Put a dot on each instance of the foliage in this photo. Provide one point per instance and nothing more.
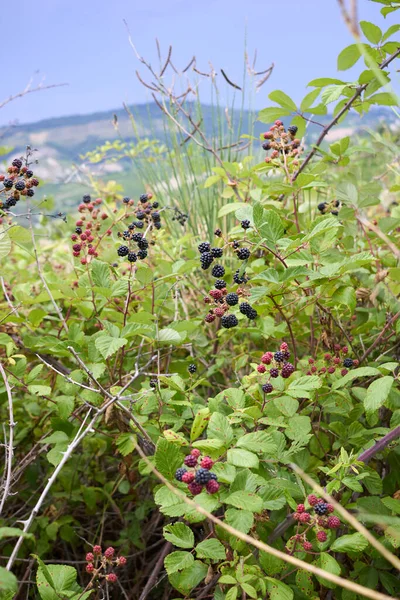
(115, 385)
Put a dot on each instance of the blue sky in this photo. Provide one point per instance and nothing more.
(85, 44)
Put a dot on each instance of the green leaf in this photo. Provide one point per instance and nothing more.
(272, 228)
(55, 581)
(283, 100)
(144, 275)
(100, 273)
(278, 590)
(186, 580)
(243, 520)
(384, 99)
(13, 532)
(377, 393)
(307, 382)
(126, 443)
(245, 500)
(176, 561)
(258, 441)
(232, 593)
(371, 31)
(168, 458)
(392, 29)
(361, 372)
(267, 115)
(5, 244)
(179, 535)
(211, 549)
(226, 209)
(299, 427)
(355, 542)
(107, 345)
(199, 423)
(332, 93)
(323, 81)
(305, 583)
(348, 57)
(169, 336)
(309, 99)
(242, 458)
(328, 563)
(219, 428)
(19, 234)
(392, 504)
(8, 582)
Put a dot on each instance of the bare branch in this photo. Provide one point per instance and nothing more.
(234, 85)
(29, 90)
(166, 62)
(10, 445)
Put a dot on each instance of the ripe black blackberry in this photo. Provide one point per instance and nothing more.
(192, 368)
(266, 146)
(179, 473)
(253, 314)
(334, 212)
(143, 244)
(322, 206)
(220, 284)
(126, 200)
(274, 372)
(204, 247)
(243, 253)
(20, 185)
(131, 227)
(232, 299)
(213, 476)
(202, 476)
(30, 192)
(278, 356)
(78, 230)
(292, 129)
(239, 278)
(29, 174)
(153, 383)
(132, 257)
(236, 244)
(218, 271)
(140, 215)
(137, 237)
(216, 252)
(86, 198)
(142, 254)
(8, 183)
(10, 202)
(155, 205)
(321, 508)
(267, 388)
(123, 251)
(348, 363)
(245, 308)
(218, 232)
(126, 235)
(206, 258)
(139, 224)
(229, 321)
(144, 198)
(156, 216)
(245, 224)
(17, 163)
(157, 225)
(287, 370)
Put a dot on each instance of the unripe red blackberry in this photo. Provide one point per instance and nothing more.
(206, 463)
(267, 358)
(121, 561)
(331, 508)
(195, 488)
(333, 522)
(219, 311)
(327, 356)
(321, 536)
(212, 486)
(96, 549)
(216, 294)
(311, 361)
(188, 477)
(300, 508)
(89, 568)
(278, 123)
(287, 370)
(109, 552)
(344, 350)
(307, 546)
(111, 577)
(209, 318)
(304, 517)
(190, 460)
(261, 368)
(268, 135)
(17, 163)
(89, 557)
(343, 372)
(35, 182)
(267, 388)
(195, 452)
(331, 370)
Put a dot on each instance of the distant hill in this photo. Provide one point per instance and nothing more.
(62, 141)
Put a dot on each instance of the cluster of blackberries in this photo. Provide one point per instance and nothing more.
(329, 207)
(145, 213)
(86, 235)
(281, 142)
(180, 216)
(99, 563)
(323, 520)
(18, 182)
(332, 361)
(199, 475)
(279, 364)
